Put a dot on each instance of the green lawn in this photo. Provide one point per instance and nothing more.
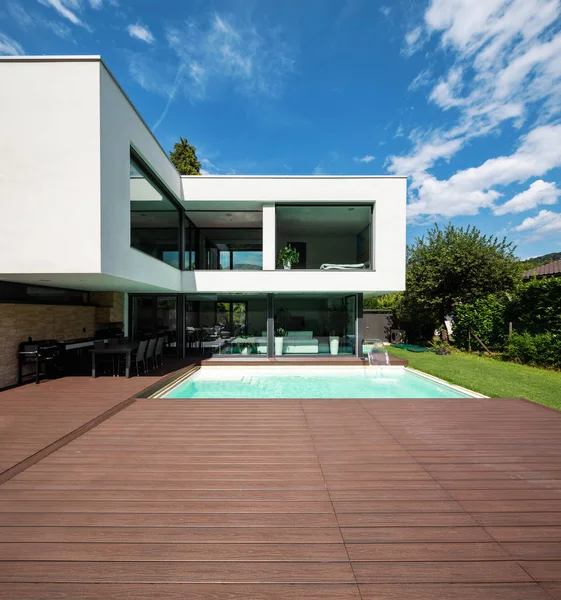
(489, 376)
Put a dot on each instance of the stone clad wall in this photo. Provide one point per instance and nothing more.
(40, 321)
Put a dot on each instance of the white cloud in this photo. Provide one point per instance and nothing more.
(414, 39)
(506, 66)
(73, 10)
(368, 158)
(214, 55)
(540, 192)
(467, 191)
(9, 47)
(545, 224)
(29, 20)
(141, 32)
(66, 8)
(386, 10)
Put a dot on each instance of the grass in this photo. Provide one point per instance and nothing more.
(489, 376)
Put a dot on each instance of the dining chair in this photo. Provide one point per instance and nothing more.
(140, 356)
(159, 351)
(150, 352)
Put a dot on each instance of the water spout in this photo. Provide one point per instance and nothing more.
(377, 354)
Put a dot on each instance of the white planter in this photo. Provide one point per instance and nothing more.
(279, 341)
(245, 350)
(334, 344)
(287, 264)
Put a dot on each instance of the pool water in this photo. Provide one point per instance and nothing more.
(310, 382)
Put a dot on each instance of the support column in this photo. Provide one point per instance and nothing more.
(269, 238)
(359, 326)
(270, 326)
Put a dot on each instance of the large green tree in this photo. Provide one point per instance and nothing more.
(184, 157)
(453, 265)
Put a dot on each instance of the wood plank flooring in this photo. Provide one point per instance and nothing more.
(267, 499)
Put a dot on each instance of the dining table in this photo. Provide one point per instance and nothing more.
(124, 348)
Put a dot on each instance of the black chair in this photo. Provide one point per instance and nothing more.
(150, 352)
(140, 357)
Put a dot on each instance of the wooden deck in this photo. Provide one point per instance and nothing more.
(270, 499)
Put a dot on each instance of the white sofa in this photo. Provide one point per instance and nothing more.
(300, 342)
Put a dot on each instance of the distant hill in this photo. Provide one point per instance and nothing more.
(538, 261)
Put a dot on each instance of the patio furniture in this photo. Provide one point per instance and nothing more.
(140, 357)
(104, 360)
(159, 351)
(114, 350)
(300, 342)
(344, 267)
(150, 352)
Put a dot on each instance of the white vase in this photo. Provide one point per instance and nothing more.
(334, 344)
(287, 264)
(245, 350)
(279, 341)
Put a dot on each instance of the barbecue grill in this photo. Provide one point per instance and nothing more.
(44, 355)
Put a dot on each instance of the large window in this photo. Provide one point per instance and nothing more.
(226, 325)
(328, 237)
(227, 241)
(154, 218)
(314, 325)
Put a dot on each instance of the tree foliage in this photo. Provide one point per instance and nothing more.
(454, 265)
(485, 317)
(184, 157)
(536, 306)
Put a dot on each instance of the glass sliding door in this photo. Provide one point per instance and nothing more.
(153, 317)
(314, 326)
(226, 325)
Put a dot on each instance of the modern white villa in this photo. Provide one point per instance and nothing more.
(98, 231)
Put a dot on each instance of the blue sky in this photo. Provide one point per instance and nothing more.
(462, 96)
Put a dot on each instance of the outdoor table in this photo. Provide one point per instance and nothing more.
(116, 349)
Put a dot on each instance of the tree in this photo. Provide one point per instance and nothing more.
(455, 265)
(184, 158)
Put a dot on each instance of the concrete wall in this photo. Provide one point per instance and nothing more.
(121, 128)
(49, 167)
(19, 321)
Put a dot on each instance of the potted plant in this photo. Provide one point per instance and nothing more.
(279, 340)
(245, 347)
(288, 256)
(333, 342)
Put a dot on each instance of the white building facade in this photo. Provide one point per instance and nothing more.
(91, 202)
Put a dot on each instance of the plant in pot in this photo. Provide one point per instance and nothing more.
(288, 256)
(245, 347)
(279, 340)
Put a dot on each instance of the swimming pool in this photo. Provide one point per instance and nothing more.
(312, 382)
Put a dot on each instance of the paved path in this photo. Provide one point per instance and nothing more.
(321, 499)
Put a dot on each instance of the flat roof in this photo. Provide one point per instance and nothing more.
(297, 176)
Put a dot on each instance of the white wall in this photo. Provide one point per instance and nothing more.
(49, 167)
(121, 127)
(293, 281)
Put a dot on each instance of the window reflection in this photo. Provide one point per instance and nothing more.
(154, 218)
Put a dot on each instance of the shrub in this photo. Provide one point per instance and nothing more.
(536, 306)
(539, 350)
(485, 317)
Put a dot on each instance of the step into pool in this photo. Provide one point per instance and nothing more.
(312, 382)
